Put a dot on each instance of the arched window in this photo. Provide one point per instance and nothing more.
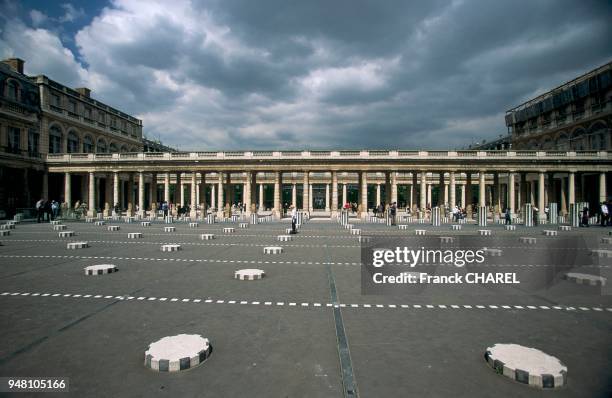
(73, 142)
(124, 149)
(577, 141)
(101, 146)
(88, 144)
(548, 144)
(55, 139)
(113, 148)
(562, 143)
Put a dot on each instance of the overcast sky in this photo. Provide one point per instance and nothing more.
(258, 74)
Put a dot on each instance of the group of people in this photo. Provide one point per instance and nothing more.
(50, 209)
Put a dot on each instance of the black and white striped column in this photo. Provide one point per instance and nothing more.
(528, 214)
(435, 216)
(482, 216)
(553, 214)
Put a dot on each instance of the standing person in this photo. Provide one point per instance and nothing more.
(39, 210)
(54, 209)
(165, 208)
(293, 219)
(508, 218)
(47, 209)
(604, 214)
(584, 222)
(393, 211)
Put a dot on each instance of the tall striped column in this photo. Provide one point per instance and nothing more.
(435, 216)
(482, 216)
(528, 214)
(553, 214)
(574, 214)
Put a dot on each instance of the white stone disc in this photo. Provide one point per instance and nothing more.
(207, 236)
(113, 228)
(100, 269)
(273, 250)
(176, 353)
(527, 365)
(170, 248)
(585, 279)
(249, 274)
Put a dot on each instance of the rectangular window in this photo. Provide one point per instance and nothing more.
(87, 112)
(72, 106)
(33, 140)
(113, 122)
(101, 117)
(14, 137)
(56, 100)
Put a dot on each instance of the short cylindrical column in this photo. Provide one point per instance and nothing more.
(463, 196)
(603, 197)
(326, 197)
(363, 193)
(203, 201)
(220, 196)
(141, 193)
(377, 194)
(193, 206)
(213, 196)
(511, 205)
(294, 195)
(153, 192)
(68, 190)
(247, 195)
(393, 187)
(261, 196)
(277, 194)
(344, 194)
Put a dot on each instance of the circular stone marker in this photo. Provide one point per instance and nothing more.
(455, 227)
(284, 238)
(403, 226)
(113, 228)
(100, 269)
(229, 230)
(355, 231)
(446, 239)
(134, 235)
(193, 225)
(527, 365)
(585, 279)
(273, 250)
(100, 223)
(5, 232)
(510, 227)
(249, 274)
(146, 223)
(492, 252)
(170, 248)
(419, 231)
(484, 232)
(527, 239)
(565, 228)
(169, 229)
(243, 225)
(175, 353)
(59, 227)
(549, 232)
(65, 234)
(207, 236)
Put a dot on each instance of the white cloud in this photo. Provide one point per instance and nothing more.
(37, 17)
(71, 13)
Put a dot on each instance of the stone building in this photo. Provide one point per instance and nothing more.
(574, 116)
(21, 164)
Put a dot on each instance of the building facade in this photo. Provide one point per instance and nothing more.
(574, 116)
(156, 146)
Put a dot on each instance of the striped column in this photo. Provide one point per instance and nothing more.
(574, 214)
(254, 218)
(435, 216)
(482, 216)
(528, 214)
(553, 214)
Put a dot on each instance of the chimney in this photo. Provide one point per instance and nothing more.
(84, 91)
(16, 64)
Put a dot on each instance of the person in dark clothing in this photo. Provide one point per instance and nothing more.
(393, 212)
(508, 218)
(584, 222)
(48, 210)
(40, 208)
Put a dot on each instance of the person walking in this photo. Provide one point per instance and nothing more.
(584, 222)
(40, 208)
(508, 216)
(54, 209)
(393, 212)
(604, 214)
(293, 220)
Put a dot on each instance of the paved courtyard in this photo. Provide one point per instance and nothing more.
(305, 330)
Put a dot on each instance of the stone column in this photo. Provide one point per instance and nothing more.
(496, 190)
(278, 211)
(563, 197)
(194, 203)
(213, 196)
(220, 196)
(334, 204)
(413, 192)
(441, 189)
(45, 185)
(305, 192)
(481, 188)
(116, 188)
(153, 192)
(429, 195)
(203, 201)
(141, 193)
(511, 205)
(541, 204)
(452, 189)
(463, 196)
(68, 190)
(228, 192)
(327, 197)
(182, 195)
(254, 192)
(261, 197)
(551, 191)
(167, 188)
(246, 194)
(294, 195)
(130, 194)
(603, 197)
(92, 195)
(178, 194)
(377, 194)
(363, 193)
(344, 194)
(310, 199)
(387, 189)
(532, 189)
(394, 187)
(571, 187)
(423, 204)
(468, 194)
